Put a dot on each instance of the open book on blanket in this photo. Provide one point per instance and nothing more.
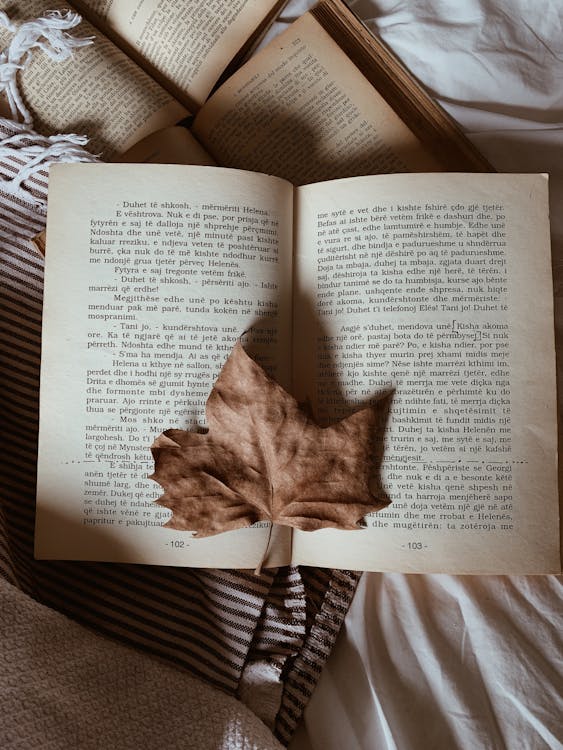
(436, 286)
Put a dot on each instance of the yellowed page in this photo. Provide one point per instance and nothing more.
(300, 109)
(152, 273)
(99, 92)
(438, 287)
(187, 44)
(173, 145)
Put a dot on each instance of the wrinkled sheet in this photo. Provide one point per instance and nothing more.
(437, 661)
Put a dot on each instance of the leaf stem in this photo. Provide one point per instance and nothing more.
(258, 569)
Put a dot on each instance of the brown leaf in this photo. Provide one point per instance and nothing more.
(263, 459)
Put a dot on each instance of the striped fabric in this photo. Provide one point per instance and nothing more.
(210, 622)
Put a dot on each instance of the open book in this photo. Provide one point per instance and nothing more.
(435, 285)
(324, 99)
(153, 62)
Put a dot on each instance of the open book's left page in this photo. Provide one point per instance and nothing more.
(98, 91)
(185, 45)
(152, 273)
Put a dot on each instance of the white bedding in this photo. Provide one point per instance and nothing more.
(442, 662)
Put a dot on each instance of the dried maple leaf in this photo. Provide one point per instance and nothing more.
(264, 459)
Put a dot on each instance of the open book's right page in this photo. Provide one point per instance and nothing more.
(439, 288)
(301, 110)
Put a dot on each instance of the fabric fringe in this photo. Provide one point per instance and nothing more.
(48, 34)
(28, 151)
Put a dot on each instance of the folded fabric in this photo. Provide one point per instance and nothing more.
(64, 686)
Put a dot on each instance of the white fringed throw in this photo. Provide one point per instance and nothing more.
(48, 34)
(34, 152)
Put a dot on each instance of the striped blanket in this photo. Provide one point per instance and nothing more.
(261, 638)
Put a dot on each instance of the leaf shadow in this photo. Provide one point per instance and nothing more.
(328, 402)
(310, 333)
(305, 152)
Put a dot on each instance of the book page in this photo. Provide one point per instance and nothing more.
(152, 273)
(186, 44)
(173, 145)
(437, 287)
(300, 109)
(98, 92)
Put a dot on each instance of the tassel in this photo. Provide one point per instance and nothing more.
(48, 34)
(38, 152)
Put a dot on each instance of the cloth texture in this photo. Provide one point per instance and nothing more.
(63, 686)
